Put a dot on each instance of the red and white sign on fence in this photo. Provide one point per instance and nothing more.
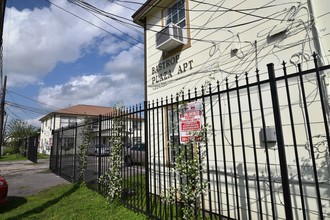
(190, 121)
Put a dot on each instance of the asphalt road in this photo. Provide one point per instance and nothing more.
(26, 178)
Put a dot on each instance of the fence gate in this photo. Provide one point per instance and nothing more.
(32, 148)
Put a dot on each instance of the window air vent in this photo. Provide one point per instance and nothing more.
(278, 29)
(169, 38)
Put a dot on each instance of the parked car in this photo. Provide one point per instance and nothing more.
(135, 154)
(95, 150)
(3, 189)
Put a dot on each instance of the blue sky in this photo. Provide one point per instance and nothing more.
(57, 54)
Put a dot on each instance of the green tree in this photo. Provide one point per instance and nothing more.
(17, 130)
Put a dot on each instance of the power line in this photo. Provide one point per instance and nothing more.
(238, 11)
(18, 117)
(94, 9)
(91, 7)
(117, 18)
(116, 2)
(225, 10)
(116, 28)
(94, 25)
(16, 103)
(198, 10)
(93, 13)
(28, 108)
(42, 103)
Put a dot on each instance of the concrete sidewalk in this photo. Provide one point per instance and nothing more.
(26, 178)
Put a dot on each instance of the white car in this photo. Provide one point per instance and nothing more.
(94, 150)
(135, 154)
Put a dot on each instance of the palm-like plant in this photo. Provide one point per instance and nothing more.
(17, 130)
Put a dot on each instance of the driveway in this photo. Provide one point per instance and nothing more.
(26, 178)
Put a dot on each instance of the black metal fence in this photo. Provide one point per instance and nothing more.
(266, 153)
(29, 147)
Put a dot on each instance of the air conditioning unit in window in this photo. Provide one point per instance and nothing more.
(169, 38)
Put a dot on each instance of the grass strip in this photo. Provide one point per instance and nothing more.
(65, 202)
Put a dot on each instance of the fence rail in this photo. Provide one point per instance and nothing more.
(265, 152)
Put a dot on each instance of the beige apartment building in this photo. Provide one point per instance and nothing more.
(191, 44)
(67, 117)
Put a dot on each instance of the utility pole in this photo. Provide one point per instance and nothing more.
(2, 116)
(2, 16)
(3, 86)
(2, 20)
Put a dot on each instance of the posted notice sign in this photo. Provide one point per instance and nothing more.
(190, 121)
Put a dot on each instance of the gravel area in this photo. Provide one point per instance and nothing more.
(26, 178)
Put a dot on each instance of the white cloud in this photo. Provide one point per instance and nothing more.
(111, 46)
(129, 61)
(122, 81)
(103, 90)
(35, 41)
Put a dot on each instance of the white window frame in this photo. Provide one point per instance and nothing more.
(66, 121)
(177, 9)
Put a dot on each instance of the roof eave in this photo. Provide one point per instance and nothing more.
(139, 15)
(66, 114)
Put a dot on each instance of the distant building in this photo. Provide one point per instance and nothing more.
(66, 117)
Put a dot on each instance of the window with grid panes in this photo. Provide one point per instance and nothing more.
(176, 14)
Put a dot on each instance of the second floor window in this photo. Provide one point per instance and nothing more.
(68, 121)
(176, 14)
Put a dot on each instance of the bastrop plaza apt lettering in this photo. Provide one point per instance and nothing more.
(163, 72)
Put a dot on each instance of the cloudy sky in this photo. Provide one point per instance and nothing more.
(57, 54)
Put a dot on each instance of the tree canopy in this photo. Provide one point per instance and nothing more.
(17, 130)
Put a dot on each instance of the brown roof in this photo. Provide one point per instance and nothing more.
(91, 110)
(82, 110)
